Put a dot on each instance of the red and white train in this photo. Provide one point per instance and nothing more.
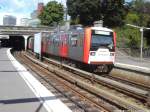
(92, 47)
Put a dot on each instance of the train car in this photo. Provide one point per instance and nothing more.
(45, 42)
(39, 43)
(92, 46)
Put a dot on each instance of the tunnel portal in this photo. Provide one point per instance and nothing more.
(15, 42)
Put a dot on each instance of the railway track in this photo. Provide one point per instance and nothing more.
(113, 77)
(130, 82)
(86, 104)
(117, 102)
(141, 93)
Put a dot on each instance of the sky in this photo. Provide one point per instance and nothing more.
(21, 8)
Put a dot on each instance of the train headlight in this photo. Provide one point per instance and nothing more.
(92, 53)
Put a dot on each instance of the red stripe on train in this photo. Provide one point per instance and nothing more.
(87, 42)
(63, 51)
(114, 34)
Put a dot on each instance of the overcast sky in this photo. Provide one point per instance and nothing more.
(20, 8)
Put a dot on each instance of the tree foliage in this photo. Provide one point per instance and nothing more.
(87, 11)
(138, 14)
(128, 37)
(132, 18)
(53, 12)
(114, 13)
(141, 8)
(140, 11)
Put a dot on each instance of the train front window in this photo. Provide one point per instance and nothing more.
(102, 40)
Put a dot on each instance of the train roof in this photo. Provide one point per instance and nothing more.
(102, 29)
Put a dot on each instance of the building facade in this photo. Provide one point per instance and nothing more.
(40, 8)
(38, 11)
(9, 20)
(34, 21)
(34, 14)
(24, 21)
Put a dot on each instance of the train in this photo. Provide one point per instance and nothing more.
(91, 47)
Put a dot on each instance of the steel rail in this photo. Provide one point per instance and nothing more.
(36, 63)
(135, 92)
(91, 88)
(140, 94)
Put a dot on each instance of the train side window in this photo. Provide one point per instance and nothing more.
(74, 40)
(48, 40)
(81, 39)
(63, 39)
(58, 41)
(69, 39)
(54, 40)
(74, 43)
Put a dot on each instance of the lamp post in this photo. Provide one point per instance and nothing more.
(141, 49)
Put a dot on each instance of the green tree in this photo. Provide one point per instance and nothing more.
(84, 11)
(53, 12)
(128, 37)
(114, 13)
(142, 9)
(132, 18)
(87, 11)
(141, 6)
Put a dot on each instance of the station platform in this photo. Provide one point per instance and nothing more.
(21, 92)
(133, 63)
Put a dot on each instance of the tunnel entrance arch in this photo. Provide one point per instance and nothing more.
(4, 40)
(17, 42)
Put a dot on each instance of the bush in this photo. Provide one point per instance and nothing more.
(128, 37)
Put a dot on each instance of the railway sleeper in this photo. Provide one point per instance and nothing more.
(116, 100)
(148, 100)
